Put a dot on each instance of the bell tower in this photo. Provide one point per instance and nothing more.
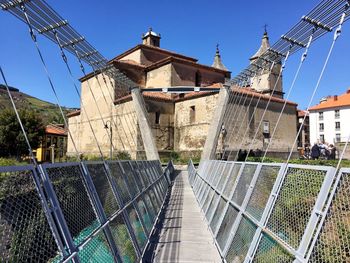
(151, 38)
(265, 80)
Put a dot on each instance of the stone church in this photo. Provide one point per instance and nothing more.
(179, 121)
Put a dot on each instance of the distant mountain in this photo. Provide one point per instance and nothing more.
(49, 112)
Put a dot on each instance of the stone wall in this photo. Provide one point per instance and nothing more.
(159, 77)
(191, 136)
(242, 137)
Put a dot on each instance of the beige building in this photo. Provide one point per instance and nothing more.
(180, 121)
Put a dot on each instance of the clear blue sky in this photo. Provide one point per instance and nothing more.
(188, 27)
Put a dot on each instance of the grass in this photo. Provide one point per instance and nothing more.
(333, 163)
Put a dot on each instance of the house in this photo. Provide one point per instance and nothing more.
(53, 145)
(329, 120)
(179, 121)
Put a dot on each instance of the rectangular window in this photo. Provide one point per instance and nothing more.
(337, 125)
(322, 138)
(337, 137)
(320, 116)
(192, 114)
(337, 114)
(266, 127)
(157, 120)
(321, 127)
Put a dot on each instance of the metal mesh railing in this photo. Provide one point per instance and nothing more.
(25, 234)
(80, 212)
(260, 212)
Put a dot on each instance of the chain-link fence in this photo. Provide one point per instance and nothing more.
(80, 212)
(260, 212)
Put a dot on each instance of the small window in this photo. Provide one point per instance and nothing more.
(322, 138)
(192, 114)
(337, 125)
(157, 120)
(337, 137)
(266, 127)
(320, 116)
(337, 114)
(321, 127)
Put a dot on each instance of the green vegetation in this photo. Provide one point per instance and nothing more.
(334, 163)
(179, 158)
(10, 162)
(47, 111)
(12, 141)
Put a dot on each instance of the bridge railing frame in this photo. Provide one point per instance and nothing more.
(318, 185)
(55, 190)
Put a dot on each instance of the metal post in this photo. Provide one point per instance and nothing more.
(215, 126)
(146, 131)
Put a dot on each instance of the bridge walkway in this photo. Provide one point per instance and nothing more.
(184, 235)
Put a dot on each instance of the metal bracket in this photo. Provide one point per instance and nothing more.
(316, 23)
(276, 52)
(97, 62)
(53, 26)
(13, 4)
(73, 42)
(88, 54)
(293, 41)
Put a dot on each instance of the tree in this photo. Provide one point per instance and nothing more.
(12, 141)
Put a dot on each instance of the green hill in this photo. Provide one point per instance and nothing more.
(49, 112)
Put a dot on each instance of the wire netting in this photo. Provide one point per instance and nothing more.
(103, 188)
(243, 183)
(294, 204)
(241, 241)
(122, 239)
(217, 214)
(232, 179)
(262, 190)
(25, 235)
(270, 251)
(118, 177)
(74, 200)
(226, 225)
(333, 244)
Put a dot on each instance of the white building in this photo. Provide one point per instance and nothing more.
(330, 119)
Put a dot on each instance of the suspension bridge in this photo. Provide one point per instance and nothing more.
(226, 209)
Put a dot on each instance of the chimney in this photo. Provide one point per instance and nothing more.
(335, 97)
(151, 38)
(348, 91)
(324, 99)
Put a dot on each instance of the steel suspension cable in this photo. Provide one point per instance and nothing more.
(252, 117)
(302, 59)
(268, 103)
(236, 135)
(232, 119)
(33, 37)
(104, 97)
(82, 68)
(336, 35)
(65, 60)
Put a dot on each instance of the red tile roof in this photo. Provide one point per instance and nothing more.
(168, 60)
(160, 96)
(56, 130)
(160, 50)
(251, 93)
(342, 100)
(301, 113)
(73, 113)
